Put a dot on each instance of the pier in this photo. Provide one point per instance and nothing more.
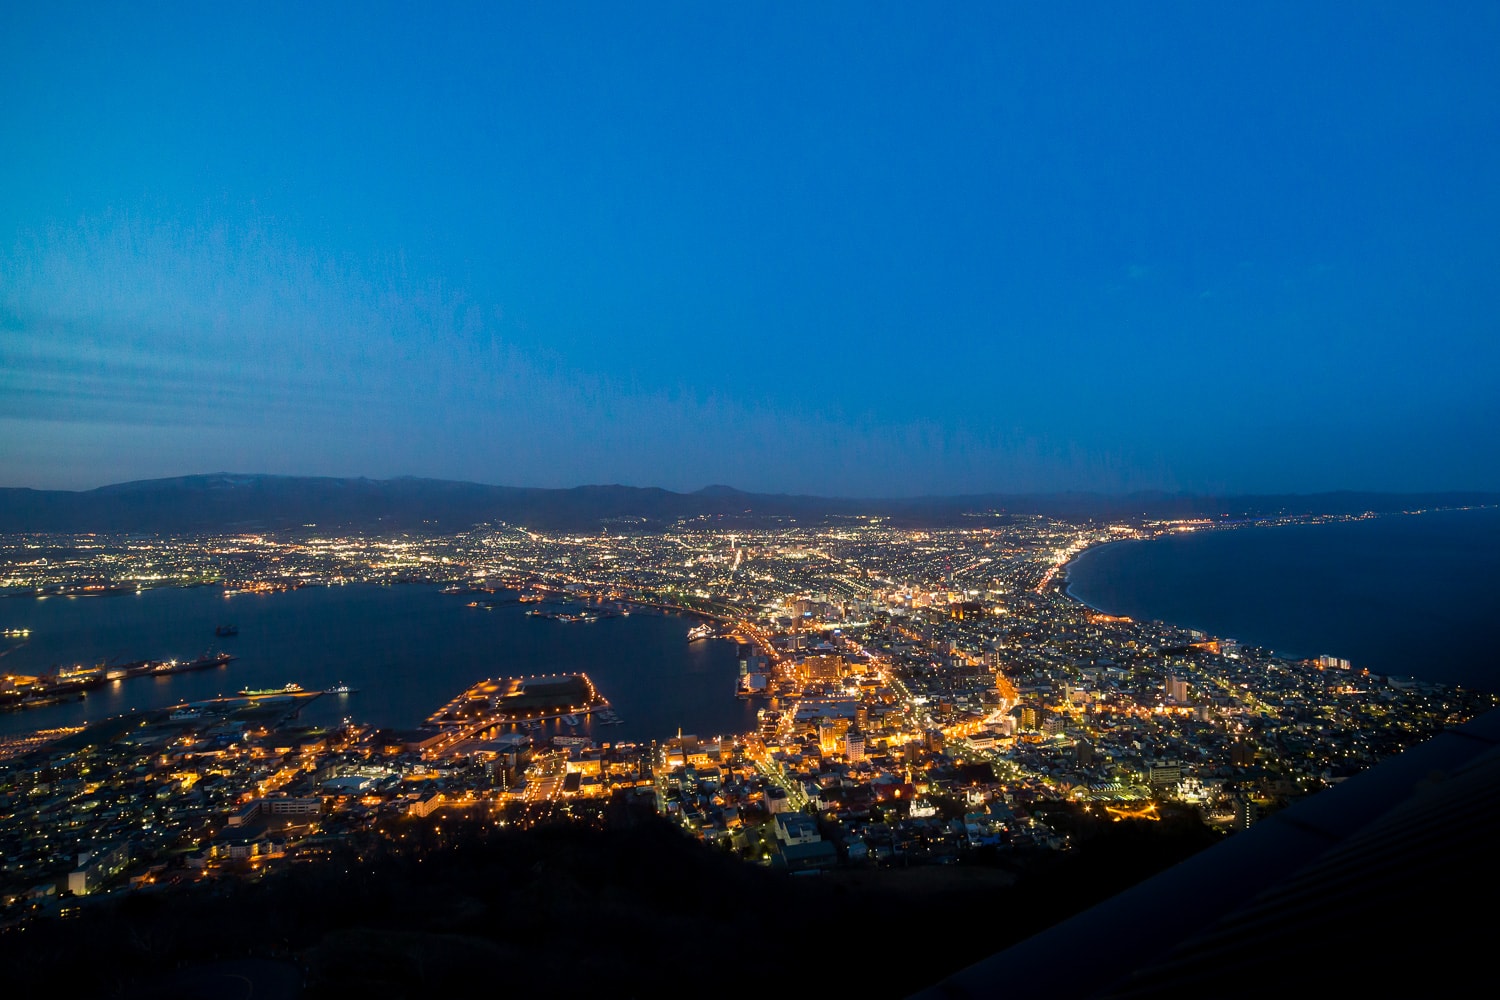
(512, 701)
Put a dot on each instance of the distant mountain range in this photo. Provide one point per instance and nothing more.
(225, 502)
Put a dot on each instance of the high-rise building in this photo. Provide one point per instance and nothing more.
(1177, 689)
(1164, 776)
(831, 733)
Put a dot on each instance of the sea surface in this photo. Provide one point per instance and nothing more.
(408, 649)
(1414, 595)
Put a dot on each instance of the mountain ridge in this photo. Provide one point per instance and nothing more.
(224, 501)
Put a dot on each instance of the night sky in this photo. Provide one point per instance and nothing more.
(860, 250)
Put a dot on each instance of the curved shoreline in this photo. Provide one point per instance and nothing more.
(1359, 593)
(1066, 570)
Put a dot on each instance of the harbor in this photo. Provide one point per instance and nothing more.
(407, 649)
(521, 704)
(65, 684)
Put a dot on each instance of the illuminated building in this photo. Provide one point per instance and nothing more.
(1164, 776)
(97, 867)
(1177, 689)
(831, 734)
(797, 828)
(826, 667)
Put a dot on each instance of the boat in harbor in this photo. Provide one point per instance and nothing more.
(570, 719)
(203, 662)
(566, 616)
(339, 689)
(8, 704)
(703, 631)
(292, 688)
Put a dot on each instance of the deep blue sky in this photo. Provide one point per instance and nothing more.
(857, 250)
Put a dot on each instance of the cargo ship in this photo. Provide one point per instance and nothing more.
(265, 692)
(566, 616)
(69, 684)
(203, 662)
(11, 703)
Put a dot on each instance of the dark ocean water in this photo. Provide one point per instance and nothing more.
(1413, 594)
(408, 649)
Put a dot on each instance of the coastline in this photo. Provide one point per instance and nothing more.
(1065, 571)
(1359, 591)
(321, 635)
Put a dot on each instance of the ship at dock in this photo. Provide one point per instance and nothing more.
(64, 684)
(162, 668)
(10, 702)
(292, 688)
(201, 663)
(569, 616)
(704, 631)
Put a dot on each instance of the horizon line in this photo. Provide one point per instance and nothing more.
(712, 488)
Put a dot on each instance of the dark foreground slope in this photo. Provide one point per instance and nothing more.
(1382, 886)
(569, 911)
(225, 502)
